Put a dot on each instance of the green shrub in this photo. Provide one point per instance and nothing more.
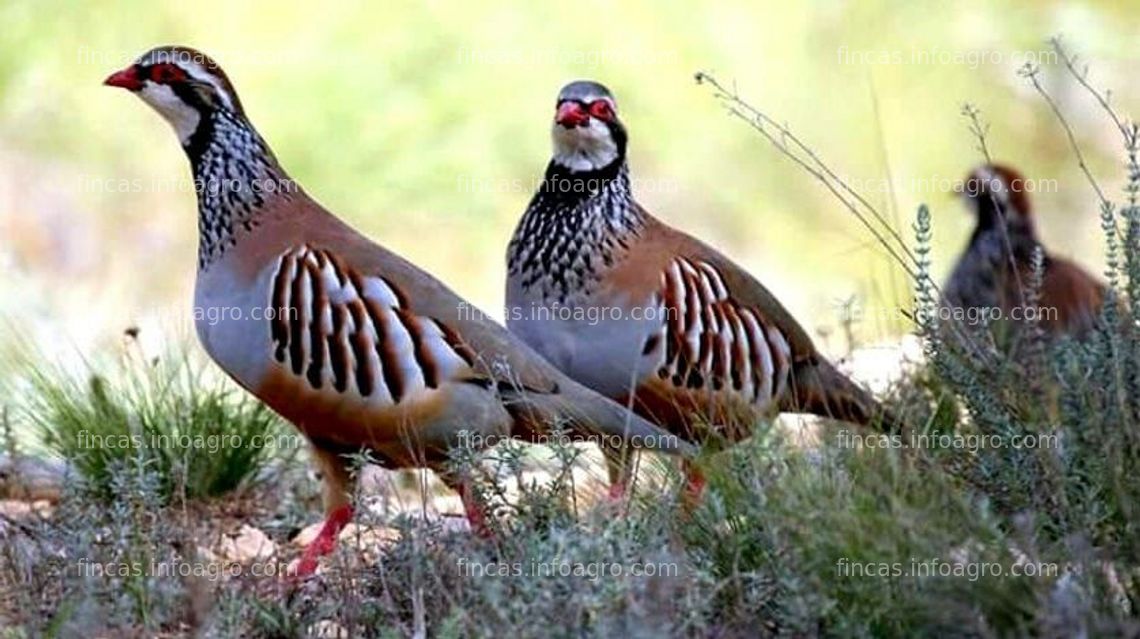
(199, 434)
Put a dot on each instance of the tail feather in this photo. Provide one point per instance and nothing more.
(820, 389)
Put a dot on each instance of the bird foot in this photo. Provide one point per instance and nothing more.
(324, 543)
(616, 493)
(694, 488)
(477, 519)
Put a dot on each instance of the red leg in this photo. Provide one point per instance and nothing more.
(325, 541)
(617, 491)
(694, 485)
(474, 511)
(619, 467)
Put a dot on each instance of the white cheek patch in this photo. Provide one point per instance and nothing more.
(183, 117)
(584, 148)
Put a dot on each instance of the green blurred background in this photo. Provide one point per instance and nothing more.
(425, 124)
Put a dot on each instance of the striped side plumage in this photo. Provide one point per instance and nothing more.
(712, 342)
(356, 334)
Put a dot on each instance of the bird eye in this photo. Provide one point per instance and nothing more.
(601, 109)
(166, 73)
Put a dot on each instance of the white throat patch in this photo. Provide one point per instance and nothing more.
(584, 148)
(183, 117)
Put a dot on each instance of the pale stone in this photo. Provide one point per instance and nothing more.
(249, 544)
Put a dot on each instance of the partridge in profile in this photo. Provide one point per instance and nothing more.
(647, 315)
(992, 277)
(358, 348)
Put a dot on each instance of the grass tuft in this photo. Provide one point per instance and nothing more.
(197, 433)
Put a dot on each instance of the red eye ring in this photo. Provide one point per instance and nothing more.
(165, 73)
(601, 109)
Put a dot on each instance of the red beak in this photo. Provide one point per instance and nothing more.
(126, 79)
(571, 114)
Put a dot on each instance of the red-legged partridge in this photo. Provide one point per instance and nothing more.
(646, 314)
(992, 276)
(357, 347)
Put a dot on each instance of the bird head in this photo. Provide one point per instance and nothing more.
(587, 133)
(991, 189)
(182, 84)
